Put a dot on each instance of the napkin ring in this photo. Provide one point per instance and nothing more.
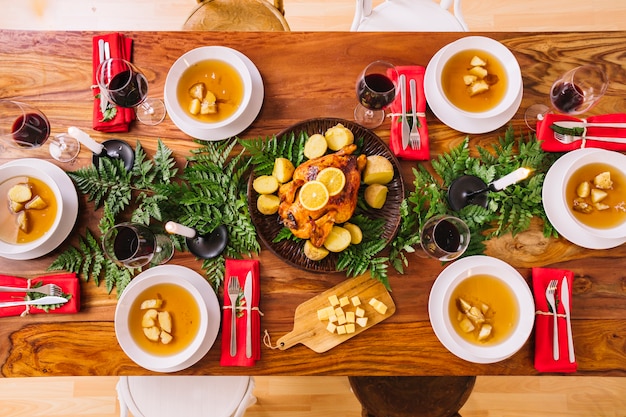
(240, 309)
(418, 114)
(548, 313)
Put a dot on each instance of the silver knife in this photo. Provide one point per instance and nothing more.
(43, 301)
(566, 306)
(247, 293)
(572, 125)
(405, 122)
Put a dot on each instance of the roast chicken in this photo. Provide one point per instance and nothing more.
(316, 225)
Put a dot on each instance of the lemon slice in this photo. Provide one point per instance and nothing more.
(313, 195)
(333, 178)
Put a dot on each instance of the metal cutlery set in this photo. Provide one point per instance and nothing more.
(233, 294)
(571, 131)
(410, 134)
(564, 298)
(104, 53)
(53, 295)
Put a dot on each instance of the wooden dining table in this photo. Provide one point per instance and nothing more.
(308, 75)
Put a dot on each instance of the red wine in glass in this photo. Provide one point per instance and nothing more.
(128, 88)
(445, 237)
(31, 130)
(567, 97)
(376, 91)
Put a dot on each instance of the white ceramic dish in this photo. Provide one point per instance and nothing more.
(61, 184)
(456, 119)
(439, 301)
(210, 318)
(495, 48)
(556, 209)
(201, 131)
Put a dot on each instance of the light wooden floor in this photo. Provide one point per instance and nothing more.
(320, 396)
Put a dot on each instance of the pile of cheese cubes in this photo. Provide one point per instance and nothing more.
(343, 321)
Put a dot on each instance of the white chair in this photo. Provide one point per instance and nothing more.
(188, 396)
(409, 16)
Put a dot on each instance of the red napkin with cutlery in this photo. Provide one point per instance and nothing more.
(239, 269)
(120, 47)
(68, 282)
(544, 360)
(550, 144)
(395, 141)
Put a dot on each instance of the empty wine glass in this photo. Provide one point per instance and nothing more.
(125, 85)
(22, 125)
(445, 237)
(375, 88)
(575, 92)
(135, 245)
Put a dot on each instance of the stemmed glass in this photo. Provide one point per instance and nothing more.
(575, 92)
(375, 88)
(135, 245)
(445, 237)
(23, 126)
(125, 85)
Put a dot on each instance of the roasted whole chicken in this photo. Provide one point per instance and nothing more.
(316, 225)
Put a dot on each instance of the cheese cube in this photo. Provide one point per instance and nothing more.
(322, 314)
(350, 318)
(350, 328)
(359, 312)
(373, 302)
(380, 307)
(341, 320)
(341, 329)
(333, 300)
(339, 312)
(332, 318)
(344, 301)
(361, 321)
(356, 301)
(331, 327)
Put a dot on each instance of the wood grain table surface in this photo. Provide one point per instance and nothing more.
(309, 75)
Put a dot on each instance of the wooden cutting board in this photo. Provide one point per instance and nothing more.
(311, 332)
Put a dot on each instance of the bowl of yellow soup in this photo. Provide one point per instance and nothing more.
(31, 210)
(481, 309)
(208, 89)
(166, 319)
(478, 77)
(594, 192)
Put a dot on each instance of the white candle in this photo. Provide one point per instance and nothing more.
(85, 139)
(179, 229)
(510, 179)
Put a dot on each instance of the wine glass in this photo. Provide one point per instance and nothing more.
(135, 245)
(575, 92)
(22, 126)
(376, 89)
(445, 237)
(63, 147)
(125, 85)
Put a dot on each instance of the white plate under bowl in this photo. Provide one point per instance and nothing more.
(455, 119)
(210, 309)
(439, 302)
(237, 126)
(69, 199)
(555, 206)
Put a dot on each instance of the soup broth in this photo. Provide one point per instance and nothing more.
(183, 310)
(456, 90)
(220, 78)
(39, 221)
(615, 198)
(502, 314)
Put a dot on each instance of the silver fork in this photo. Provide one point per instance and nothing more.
(233, 295)
(550, 291)
(414, 137)
(48, 289)
(567, 139)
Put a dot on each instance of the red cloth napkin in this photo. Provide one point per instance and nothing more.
(239, 268)
(550, 144)
(121, 47)
(544, 361)
(395, 140)
(67, 281)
